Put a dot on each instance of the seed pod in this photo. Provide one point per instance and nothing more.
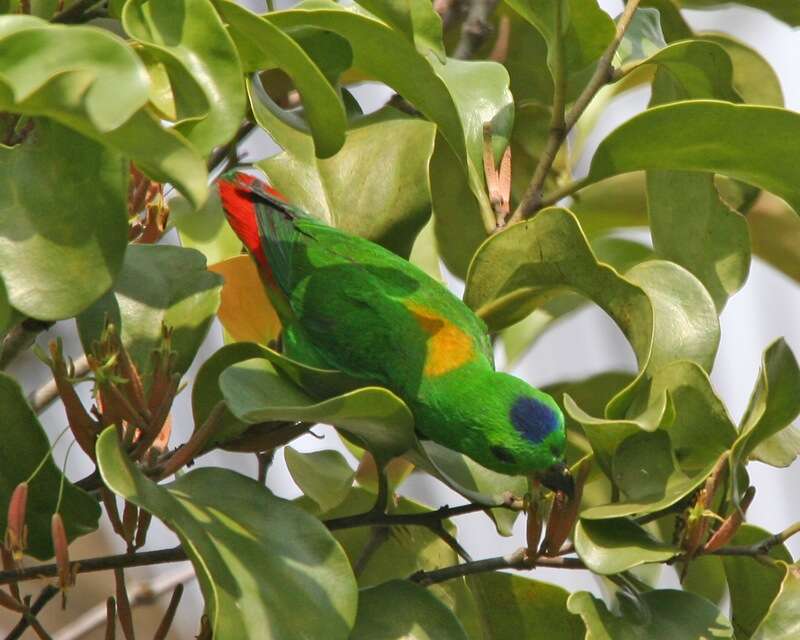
(61, 547)
(533, 528)
(730, 526)
(564, 513)
(16, 539)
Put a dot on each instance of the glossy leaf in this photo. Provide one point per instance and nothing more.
(782, 621)
(56, 225)
(245, 310)
(643, 37)
(159, 285)
(264, 45)
(663, 614)
(753, 77)
(6, 312)
(613, 546)
(512, 606)
(673, 25)
(243, 541)
(417, 20)
(25, 445)
(190, 33)
(679, 463)
(587, 29)
(752, 586)
(775, 235)
(775, 401)
(740, 141)
(377, 420)
(375, 187)
(416, 614)
(39, 62)
(205, 229)
(324, 476)
(779, 450)
(471, 480)
(408, 550)
(431, 88)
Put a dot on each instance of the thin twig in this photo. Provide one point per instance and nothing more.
(518, 560)
(141, 593)
(20, 338)
(194, 446)
(46, 595)
(428, 519)
(220, 154)
(76, 12)
(90, 565)
(533, 200)
(476, 28)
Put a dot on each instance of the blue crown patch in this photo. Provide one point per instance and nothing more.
(533, 419)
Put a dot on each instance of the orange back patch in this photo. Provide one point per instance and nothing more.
(448, 346)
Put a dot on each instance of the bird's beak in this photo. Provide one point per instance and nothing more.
(558, 478)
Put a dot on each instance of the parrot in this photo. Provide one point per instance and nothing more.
(349, 304)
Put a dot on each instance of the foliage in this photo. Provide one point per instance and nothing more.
(105, 108)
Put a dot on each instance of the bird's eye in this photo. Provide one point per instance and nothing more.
(502, 454)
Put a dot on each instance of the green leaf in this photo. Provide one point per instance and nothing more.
(779, 450)
(406, 551)
(436, 90)
(323, 476)
(673, 24)
(190, 33)
(415, 19)
(25, 445)
(6, 311)
(453, 207)
(740, 141)
(705, 576)
(587, 29)
(782, 621)
(402, 610)
(696, 69)
(753, 77)
(515, 607)
(205, 229)
(471, 480)
(774, 403)
(663, 614)
(374, 417)
(775, 235)
(787, 12)
(63, 216)
(753, 586)
(82, 91)
(159, 285)
(613, 546)
(643, 37)
(94, 73)
(264, 45)
(375, 187)
(693, 402)
(259, 559)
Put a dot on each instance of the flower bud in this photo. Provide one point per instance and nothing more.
(16, 539)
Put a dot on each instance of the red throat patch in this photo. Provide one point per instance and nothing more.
(239, 204)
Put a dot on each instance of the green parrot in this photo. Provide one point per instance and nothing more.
(349, 304)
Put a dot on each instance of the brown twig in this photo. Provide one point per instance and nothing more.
(20, 338)
(519, 560)
(221, 154)
(533, 199)
(45, 596)
(476, 28)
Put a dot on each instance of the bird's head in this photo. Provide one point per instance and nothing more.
(526, 434)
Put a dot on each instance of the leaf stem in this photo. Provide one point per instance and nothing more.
(533, 199)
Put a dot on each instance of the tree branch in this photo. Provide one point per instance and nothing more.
(519, 560)
(46, 595)
(222, 153)
(476, 28)
(533, 200)
(20, 338)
